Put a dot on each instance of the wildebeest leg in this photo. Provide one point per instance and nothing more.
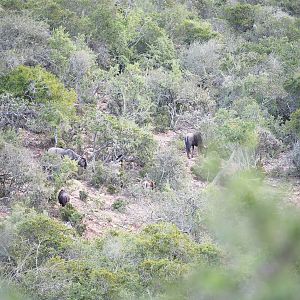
(193, 147)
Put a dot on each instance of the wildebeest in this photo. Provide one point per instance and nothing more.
(191, 140)
(71, 154)
(63, 197)
(149, 184)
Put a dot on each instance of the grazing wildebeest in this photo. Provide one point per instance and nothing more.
(191, 140)
(149, 184)
(63, 197)
(71, 154)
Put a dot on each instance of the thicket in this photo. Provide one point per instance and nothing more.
(101, 77)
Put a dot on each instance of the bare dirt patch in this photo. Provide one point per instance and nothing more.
(99, 214)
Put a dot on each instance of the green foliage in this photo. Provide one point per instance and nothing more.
(256, 230)
(235, 130)
(44, 90)
(156, 273)
(165, 241)
(83, 195)
(78, 280)
(70, 214)
(296, 156)
(119, 205)
(240, 16)
(294, 123)
(207, 167)
(57, 13)
(290, 6)
(108, 176)
(72, 61)
(162, 52)
(118, 135)
(23, 40)
(21, 177)
(35, 238)
(167, 169)
(66, 170)
(107, 24)
(195, 30)
(292, 85)
(129, 96)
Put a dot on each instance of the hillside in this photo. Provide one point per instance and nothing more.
(101, 104)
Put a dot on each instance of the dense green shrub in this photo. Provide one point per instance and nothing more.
(42, 89)
(129, 96)
(120, 136)
(70, 214)
(195, 30)
(59, 170)
(206, 168)
(23, 40)
(21, 177)
(294, 123)
(232, 129)
(167, 169)
(157, 273)
(240, 16)
(119, 205)
(296, 156)
(292, 85)
(107, 175)
(75, 279)
(34, 239)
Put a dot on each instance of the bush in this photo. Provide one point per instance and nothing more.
(35, 237)
(294, 123)
(174, 95)
(208, 167)
(268, 144)
(292, 85)
(231, 129)
(240, 16)
(129, 96)
(44, 90)
(167, 169)
(83, 195)
(59, 170)
(21, 178)
(75, 279)
(196, 30)
(120, 136)
(22, 41)
(119, 205)
(70, 214)
(156, 273)
(296, 156)
(73, 62)
(165, 241)
(16, 112)
(108, 176)
(162, 53)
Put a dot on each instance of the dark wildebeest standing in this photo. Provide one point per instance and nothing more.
(191, 140)
(71, 154)
(63, 197)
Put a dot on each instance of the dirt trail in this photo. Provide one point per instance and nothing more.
(99, 215)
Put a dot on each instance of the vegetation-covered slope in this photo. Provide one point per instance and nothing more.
(121, 82)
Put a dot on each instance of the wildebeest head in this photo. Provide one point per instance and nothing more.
(82, 162)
